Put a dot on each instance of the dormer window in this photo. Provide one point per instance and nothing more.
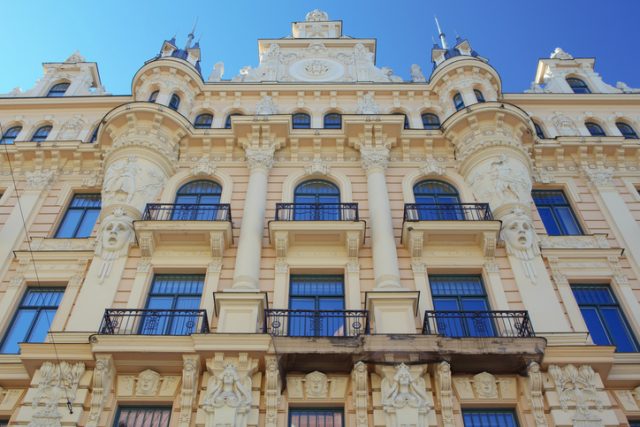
(430, 121)
(41, 134)
(154, 96)
(174, 103)
(10, 135)
(626, 131)
(595, 129)
(203, 121)
(301, 121)
(458, 102)
(58, 90)
(577, 85)
(479, 95)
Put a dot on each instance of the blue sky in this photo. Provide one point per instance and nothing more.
(512, 34)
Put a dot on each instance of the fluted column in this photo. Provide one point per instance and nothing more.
(385, 257)
(247, 270)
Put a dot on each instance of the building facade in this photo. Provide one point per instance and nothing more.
(316, 242)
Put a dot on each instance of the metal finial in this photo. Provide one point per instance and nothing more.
(443, 40)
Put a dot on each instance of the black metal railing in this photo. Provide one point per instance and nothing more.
(447, 212)
(478, 324)
(317, 212)
(187, 212)
(128, 321)
(316, 323)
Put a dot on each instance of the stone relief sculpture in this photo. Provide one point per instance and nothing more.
(367, 105)
(404, 397)
(132, 182)
(148, 383)
(578, 386)
(71, 128)
(626, 89)
(217, 72)
(501, 180)
(520, 239)
(485, 386)
(360, 393)
(103, 375)
(559, 53)
(316, 385)
(317, 15)
(266, 106)
(416, 74)
(564, 125)
(58, 382)
(190, 374)
(116, 232)
(272, 391)
(446, 394)
(228, 398)
(536, 388)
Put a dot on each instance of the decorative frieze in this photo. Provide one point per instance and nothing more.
(147, 383)
(317, 386)
(374, 159)
(260, 158)
(485, 386)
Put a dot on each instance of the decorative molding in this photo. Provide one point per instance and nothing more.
(57, 383)
(190, 375)
(521, 239)
(599, 176)
(272, 390)
(103, 376)
(259, 158)
(416, 74)
(405, 400)
(40, 179)
(317, 167)
(147, 383)
(203, 167)
(367, 105)
(114, 237)
(281, 243)
(536, 388)
(443, 375)
(266, 106)
(596, 241)
(485, 386)
(360, 393)
(316, 385)
(432, 167)
(374, 159)
(577, 386)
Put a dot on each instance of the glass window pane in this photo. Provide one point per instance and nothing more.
(549, 221)
(69, 224)
(18, 331)
(620, 334)
(489, 418)
(86, 226)
(41, 326)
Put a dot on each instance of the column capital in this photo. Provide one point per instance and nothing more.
(260, 158)
(374, 159)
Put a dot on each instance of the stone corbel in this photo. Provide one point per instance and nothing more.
(216, 239)
(489, 242)
(360, 393)
(282, 243)
(536, 388)
(416, 243)
(353, 244)
(147, 243)
(443, 376)
(103, 375)
(190, 375)
(272, 390)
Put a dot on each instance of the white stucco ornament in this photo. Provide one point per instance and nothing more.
(114, 237)
(520, 239)
(217, 72)
(485, 386)
(416, 74)
(317, 15)
(71, 128)
(58, 383)
(132, 181)
(228, 398)
(266, 106)
(404, 397)
(500, 180)
(367, 105)
(577, 387)
(318, 70)
(316, 385)
(564, 125)
(559, 53)
(626, 89)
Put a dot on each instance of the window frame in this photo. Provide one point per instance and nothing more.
(479, 95)
(227, 121)
(205, 125)
(37, 135)
(332, 125)
(458, 101)
(55, 92)
(559, 223)
(430, 126)
(174, 102)
(153, 96)
(36, 318)
(498, 410)
(633, 338)
(630, 133)
(335, 410)
(84, 210)
(12, 138)
(539, 130)
(594, 128)
(167, 408)
(576, 83)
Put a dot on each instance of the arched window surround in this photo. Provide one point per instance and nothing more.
(332, 120)
(626, 129)
(153, 96)
(458, 101)
(479, 95)
(301, 120)
(182, 178)
(58, 90)
(578, 85)
(42, 133)
(11, 134)
(174, 101)
(198, 199)
(433, 117)
(539, 130)
(204, 120)
(595, 128)
(316, 199)
(227, 118)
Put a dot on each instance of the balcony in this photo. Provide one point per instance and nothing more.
(478, 324)
(153, 322)
(173, 226)
(317, 226)
(449, 226)
(316, 323)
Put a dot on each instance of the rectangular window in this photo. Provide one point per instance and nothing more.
(556, 213)
(172, 305)
(316, 305)
(634, 423)
(321, 417)
(136, 416)
(489, 418)
(460, 293)
(32, 319)
(604, 318)
(80, 217)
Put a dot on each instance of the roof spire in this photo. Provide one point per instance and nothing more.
(443, 40)
(191, 35)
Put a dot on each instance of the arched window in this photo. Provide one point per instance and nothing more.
(203, 121)
(437, 200)
(174, 103)
(301, 121)
(332, 121)
(577, 85)
(458, 102)
(154, 96)
(430, 121)
(479, 95)
(41, 134)
(10, 135)
(316, 200)
(227, 122)
(58, 90)
(595, 129)
(626, 130)
(198, 201)
(539, 131)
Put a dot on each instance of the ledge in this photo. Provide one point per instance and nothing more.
(417, 235)
(347, 234)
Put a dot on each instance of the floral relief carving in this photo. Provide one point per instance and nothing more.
(40, 179)
(103, 375)
(260, 158)
(564, 125)
(599, 176)
(536, 388)
(374, 159)
(71, 128)
(58, 382)
(266, 106)
(577, 386)
(367, 105)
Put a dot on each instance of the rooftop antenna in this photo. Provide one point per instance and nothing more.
(443, 40)
(191, 35)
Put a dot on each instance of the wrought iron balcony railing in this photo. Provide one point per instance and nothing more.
(153, 322)
(316, 323)
(317, 212)
(186, 212)
(478, 324)
(447, 212)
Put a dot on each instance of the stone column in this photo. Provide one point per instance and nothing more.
(385, 256)
(247, 269)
